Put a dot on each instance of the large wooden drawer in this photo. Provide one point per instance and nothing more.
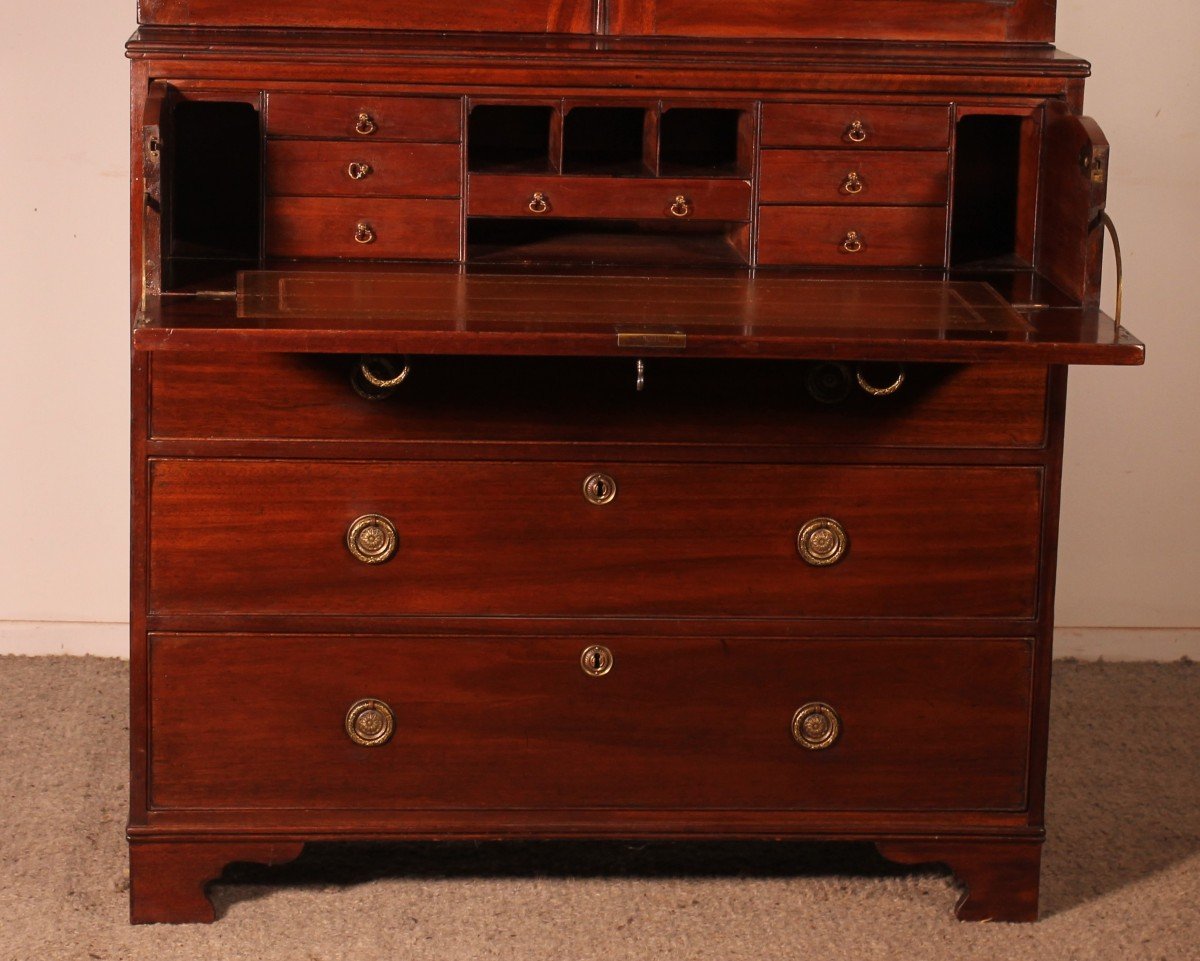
(512, 722)
(364, 119)
(853, 177)
(370, 228)
(857, 126)
(474, 400)
(521, 538)
(324, 168)
(852, 236)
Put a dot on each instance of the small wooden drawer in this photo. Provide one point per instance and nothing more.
(853, 177)
(858, 237)
(365, 119)
(621, 198)
(528, 538)
(861, 126)
(515, 722)
(329, 227)
(717, 405)
(328, 168)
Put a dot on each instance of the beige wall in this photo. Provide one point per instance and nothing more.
(1131, 522)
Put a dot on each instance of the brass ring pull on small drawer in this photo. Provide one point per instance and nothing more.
(876, 391)
(372, 539)
(596, 660)
(853, 183)
(816, 726)
(853, 242)
(358, 170)
(599, 489)
(370, 722)
(365, 125)
(822, 542)
(364, 233)
(539, 203)
(856, 132)
(681, 207)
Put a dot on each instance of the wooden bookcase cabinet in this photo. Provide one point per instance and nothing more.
(577, 425)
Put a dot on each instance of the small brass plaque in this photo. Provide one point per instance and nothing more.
(660, 340)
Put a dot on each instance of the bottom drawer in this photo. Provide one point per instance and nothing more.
(494, 723)
(853, 236)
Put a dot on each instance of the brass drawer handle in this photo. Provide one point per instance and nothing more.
(853, 242)
(364, 233)
(358, 170)
(539, 203)
(876, 391)
(370, 722)
(852, 184)
(681, 207)
(365, 125)
(822, 542)
(376, 378)
(596, 660)
(816, 726)
(856, 132)
(599, 489)
(372, 539)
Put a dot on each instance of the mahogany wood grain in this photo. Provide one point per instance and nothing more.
(1002, 876)
(330, 117)
(829, 126)
(320, 168)
(473, 401)
(409, 229)
(625, 198)
(167, 880)
(885, 177)
(513, 723)
(818, 236)
(678, 540)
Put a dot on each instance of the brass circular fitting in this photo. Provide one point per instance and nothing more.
(372, 539)
(681, 207)
(856, 132)
(365, 125)
(370, 722)
(816, 726)
(599, 489)
(876, 391)
(852, 243)
(364, 233)
(822, 542)
(852, 184)
(539, 203)
(828, 383)
(358, 170)
(596, 660)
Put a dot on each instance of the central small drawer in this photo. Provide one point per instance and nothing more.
(249, 721)
(504, 538)
(852, 236)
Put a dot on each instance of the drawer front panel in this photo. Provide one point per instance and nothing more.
(566, 400)
(853, 177)
(334, 169)
(858, 126)
(857, 237)
(495, 538)
(364, 119)
(329, 227)
(260, 722)
(496, 195)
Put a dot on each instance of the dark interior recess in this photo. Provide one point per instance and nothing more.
(605, 140)
(509, 137)
(986, 167)
(699, 141)
(214, 188)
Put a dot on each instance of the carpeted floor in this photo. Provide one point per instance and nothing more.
(1121, 875)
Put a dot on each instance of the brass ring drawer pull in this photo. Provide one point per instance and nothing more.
(822, 542)
(372, 539)
(856, 132)
(364, 233)
(365, 125)
(358, 170)
(370, 722)
(853, 183)
(376, 378)
(596, 660)
(364, 367)
(539, 203)
(681, 207)
(876, 391)
(816, 726)
(853, 242)
(599, 489)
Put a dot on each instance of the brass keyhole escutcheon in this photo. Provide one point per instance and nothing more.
(816, 726)
(822, 542)
(370, 722)
(359, 170)
(596, 660)
(599, 489)
(365, 126)
(372, 539)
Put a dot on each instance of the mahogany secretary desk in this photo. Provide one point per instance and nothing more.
(602, 418)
